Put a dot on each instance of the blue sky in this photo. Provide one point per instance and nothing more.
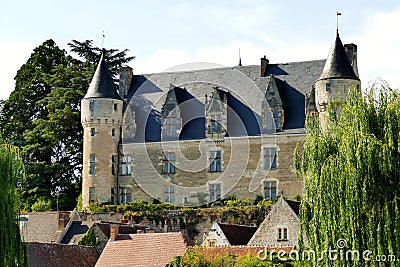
(163, 34)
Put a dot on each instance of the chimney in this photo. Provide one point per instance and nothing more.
(125, 79)
(351, 51)
(63, 219)
(264, 65)
(113, 232)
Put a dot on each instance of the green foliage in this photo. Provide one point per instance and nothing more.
(42, 117)
(12, 249)
(41, 205)
(89, 239)
(198, 257)
(352, 177)
(79, 204)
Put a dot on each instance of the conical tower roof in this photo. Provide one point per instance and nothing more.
(102, 85)
(337, 64)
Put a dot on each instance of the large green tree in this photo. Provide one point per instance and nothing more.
(352, 180)
(42, 116)
(12, 249)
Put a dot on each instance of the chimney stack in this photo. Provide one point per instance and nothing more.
(351, 51)
(264, 65)
(125, 79)
(113, 232)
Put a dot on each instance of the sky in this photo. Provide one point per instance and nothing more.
(165, 34)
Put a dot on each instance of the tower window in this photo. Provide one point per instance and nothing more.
(126, 165)
(113, 132)
(170, 126)
(115, 106)
(113, 164)
(91, 104)
(92, 131)
(328, 86)
(92, 170)
(92, 196)
(215, 161)
(169, 194)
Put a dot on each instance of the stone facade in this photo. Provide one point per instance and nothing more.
(280, 227)
(197, 136)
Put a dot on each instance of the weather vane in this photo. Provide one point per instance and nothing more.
(337, 19)
(102, 43)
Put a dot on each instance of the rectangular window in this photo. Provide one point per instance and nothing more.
(214, 191)
(115, 106)
(124, 195)
(270, 190)
(113, 132)
(113, 196)
(92, 170)
(216, 123)
(269, 158)
(328, 86)
(169, 194)
(113, 164)
(92, 196)
(171, 126)
(91, 105)
(92, 131)
(126, 165)
(282, 234)
(215, 161)
(169, 163)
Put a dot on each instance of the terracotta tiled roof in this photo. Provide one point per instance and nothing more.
(40, 227)
(49, 255)
(237, 234)
(144, 250)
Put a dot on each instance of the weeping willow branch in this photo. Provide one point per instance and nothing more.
(351, 171)
(12, 249)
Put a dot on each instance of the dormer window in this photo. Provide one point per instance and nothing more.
(216, 123)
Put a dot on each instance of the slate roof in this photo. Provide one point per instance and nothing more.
(122, 229)
(102, 85)
(294, 205)
(148, 92)
(337, 64)
(75, 232)
(49, 255)
(237, 234)
(40, 227)
(150, 250)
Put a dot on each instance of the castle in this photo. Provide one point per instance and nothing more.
(193, 137)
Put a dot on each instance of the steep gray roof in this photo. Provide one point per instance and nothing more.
(337, 64)
(102, 85)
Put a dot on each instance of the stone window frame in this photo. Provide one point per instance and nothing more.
(92, 164)
(281, 231)
(171, 126)
(113, 132)
(125, 194)
(115, 106)
(274, 164)
(169, 194)
(210, 160)
(211, 191)
(126, 164)
(264, 191)
(92, 132)
(168, 163)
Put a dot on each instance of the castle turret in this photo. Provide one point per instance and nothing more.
(337, 78)
(101, 118)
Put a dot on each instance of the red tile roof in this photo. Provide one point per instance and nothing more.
(144, 250)
(49, 255)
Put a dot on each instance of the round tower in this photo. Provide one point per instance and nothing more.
(338, 77)
(101, 118)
